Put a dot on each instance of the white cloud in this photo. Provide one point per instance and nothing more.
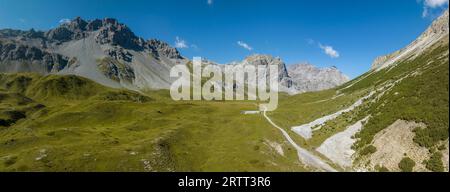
(435, 3)
(430, 5)
(425, 12)
(180, 43)
(329, 51)
(64, 21)
(210, 2)
(22, 20)
(244, 45)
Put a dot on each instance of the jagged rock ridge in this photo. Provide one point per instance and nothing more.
(306, 77)
(103, 50)
(438, 30)
(109, 52)
(298, 78)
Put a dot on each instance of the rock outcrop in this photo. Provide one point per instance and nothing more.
(105, 51)
(266, 60)
(294, 79)
(21, 58)
(306, 77)
(162, 48)
(108, 52)
(438, 30)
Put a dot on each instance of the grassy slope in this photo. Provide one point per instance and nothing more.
(73, 124)
(422, 97)
(98, 128)
(304, 108)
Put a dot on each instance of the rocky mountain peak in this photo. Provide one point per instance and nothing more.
(307, 77)
(112, 32)
(77, 24)
(110, 21)
(122, 56)
(94, 25)
(439, 26)
(302, 67)
(107, 31)
(259, 59)
(80, 24)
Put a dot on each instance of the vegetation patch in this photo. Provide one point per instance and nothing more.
(427, 104)
(368, 150)
(406, 164)
(6, 122)
(435, 162)
(381, 168)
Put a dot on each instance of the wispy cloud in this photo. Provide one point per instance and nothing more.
(244, 45)
(194, 46)
(430, 5)
(210, 2)
(180, 43)
(22, 20)
(329, 50)
(64, 21)
(310, 41)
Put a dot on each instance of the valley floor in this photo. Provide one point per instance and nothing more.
(69, 123)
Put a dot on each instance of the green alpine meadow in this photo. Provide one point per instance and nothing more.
(89, 95)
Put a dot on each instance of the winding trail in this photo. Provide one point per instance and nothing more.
(304, 155)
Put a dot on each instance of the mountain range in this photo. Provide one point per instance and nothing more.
(91, 96)
(109, 53)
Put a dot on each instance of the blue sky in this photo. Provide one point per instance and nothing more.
(348, 34)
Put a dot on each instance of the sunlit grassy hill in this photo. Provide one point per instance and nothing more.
(413, 90)
(69, 123)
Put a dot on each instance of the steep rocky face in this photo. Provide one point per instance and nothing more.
(103, 50)
(117, 34)
(164, 49)
(268, 60)
(438, 30)
(109, 31)
(295, 78)
(76, 29)
(301, 77)
(17, 57)
(306, 77)
(108, 52)
(116, 70)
